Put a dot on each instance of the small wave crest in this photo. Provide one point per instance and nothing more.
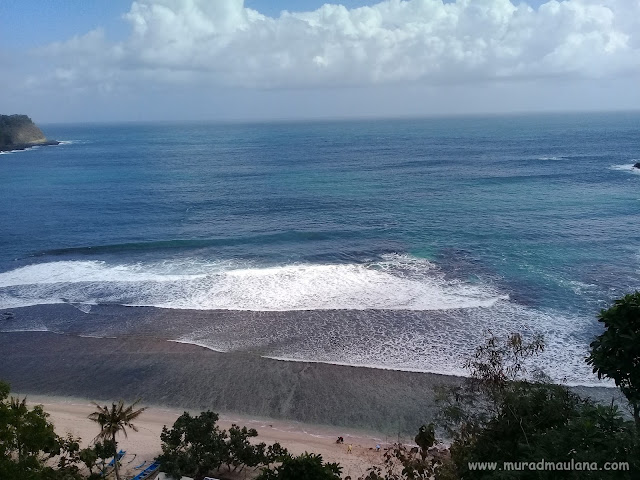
(9, 152)
(553, 157)
(628, 167)
(283, 237)
(394, 282)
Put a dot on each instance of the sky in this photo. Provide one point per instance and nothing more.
(145, 60)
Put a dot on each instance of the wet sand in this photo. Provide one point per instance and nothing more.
(185, 376)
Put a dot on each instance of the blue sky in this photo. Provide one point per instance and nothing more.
(76, 60)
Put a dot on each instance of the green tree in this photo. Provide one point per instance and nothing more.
(196, 447)
(308, 466)
(69, 456)
(114, 420)
(425, 439)
(28, 443)
(616, 353)
(89, 457)
(104, 451)
(501, 416)
(240, 452)
(402, 463)
(193, 447)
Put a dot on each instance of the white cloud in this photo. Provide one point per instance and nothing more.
(220, 42)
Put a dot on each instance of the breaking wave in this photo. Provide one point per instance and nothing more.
(396, 282)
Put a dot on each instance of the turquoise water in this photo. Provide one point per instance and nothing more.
(390, 243)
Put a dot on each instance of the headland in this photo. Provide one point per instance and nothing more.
(18, 132)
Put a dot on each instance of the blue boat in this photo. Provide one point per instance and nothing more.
(147, 472)
(118, 457)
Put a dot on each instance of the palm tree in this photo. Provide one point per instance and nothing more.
(113, 420)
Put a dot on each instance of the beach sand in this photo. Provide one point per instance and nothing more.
(70, 416)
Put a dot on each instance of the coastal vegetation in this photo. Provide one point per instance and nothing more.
(502, 414)
(195, 446)
(29, 447)
(506, 412)
(308, 466)
(615, 354)
(114, 420)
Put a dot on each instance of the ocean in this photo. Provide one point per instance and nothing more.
(397, 244)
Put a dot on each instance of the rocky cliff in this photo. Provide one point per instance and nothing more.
(18, 132)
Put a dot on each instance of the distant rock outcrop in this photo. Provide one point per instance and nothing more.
(18, 132)
(637, 165)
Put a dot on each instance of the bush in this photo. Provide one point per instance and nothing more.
(196, 447)
(306, 466)
(500, 416)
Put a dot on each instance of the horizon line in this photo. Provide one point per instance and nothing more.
(346, 118)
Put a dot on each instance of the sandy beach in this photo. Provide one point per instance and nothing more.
(69, 415)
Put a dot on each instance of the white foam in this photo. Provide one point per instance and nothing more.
(27, 329)
(86, 335)
(378, 366)
(8, 301)
(71, 272)
(416, 319)
(198, 344)
(7, 152)
(629, 167)
(397, 282)
(435, 342)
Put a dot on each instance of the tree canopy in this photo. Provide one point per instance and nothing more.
(615, 354)
(500, 416)
(29, 444)
(308, 466)
(195, 446)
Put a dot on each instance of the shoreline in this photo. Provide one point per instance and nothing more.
(178, 375)
(19, 147)
(181, 375)
(371, 339)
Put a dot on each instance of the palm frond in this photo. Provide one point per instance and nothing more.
(115, 419)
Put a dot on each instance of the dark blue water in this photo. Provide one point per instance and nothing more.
(412, 236)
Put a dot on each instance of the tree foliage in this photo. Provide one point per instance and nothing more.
(403, 463)
(501, 416)
(308, 466)
(196, 447)
(616, 353)
(29, 446)
(425, 439)
(114, 420)
(193, 447)
(97, 456)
